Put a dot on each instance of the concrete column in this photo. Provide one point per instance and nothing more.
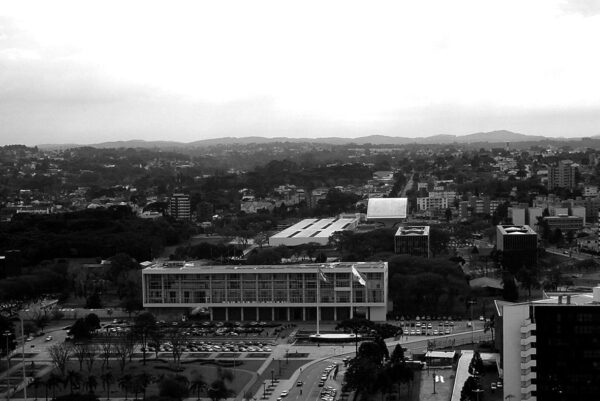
(272, 313)
(288, 314)
(210, 310)
(242, 313)
(227, 313)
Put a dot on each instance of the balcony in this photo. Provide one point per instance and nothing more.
(528, 352)
(528, 376)
(527, 328)
(528, 340)
(528, 389)
(528, 364)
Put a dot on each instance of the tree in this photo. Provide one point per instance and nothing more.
(141, 382)
(174, 386)
(54, 381)
(60, 353)
(218, 390)
(438, 240)
(80, 330)
(107, 380)
(124, 349)
(529, 278)
(80, 350)
(509, 288)
(397, 355)
(125, 383)
(73, 378)
(91, 383)
(93, 301)
(36, 383)
(106, 349)
(197, 383)
(92, 321)
(178, 342)
(144, 326)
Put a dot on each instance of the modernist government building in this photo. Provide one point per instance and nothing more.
(267, 293)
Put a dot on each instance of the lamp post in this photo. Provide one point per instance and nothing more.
(7, 334)
(434, 382)
(471, 303)
(272, 378)
(265, 390)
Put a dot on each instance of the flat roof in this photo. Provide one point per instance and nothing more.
(198, 267)
(413, 230)
(387, 208)
(516, 230)
(317, 228)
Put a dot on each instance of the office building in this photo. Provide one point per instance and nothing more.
(564, 222)
(312, 230)
(562, 175)
(550, 348)
(412, 240)
(268, 293)
(179, 206)
(518, 245)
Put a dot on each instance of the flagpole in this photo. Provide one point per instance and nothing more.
(318, 296)
(351, 295)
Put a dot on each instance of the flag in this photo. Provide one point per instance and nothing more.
(358, 276)
(322, 276)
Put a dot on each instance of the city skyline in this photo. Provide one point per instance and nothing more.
(76, 72)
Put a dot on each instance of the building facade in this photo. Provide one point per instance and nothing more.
(518, 245)
(562, 175)
(179, 206)
(268, 293)
(550, 348)
(413, 240)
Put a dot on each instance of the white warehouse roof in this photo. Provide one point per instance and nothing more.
(312, 230)
(387, 208)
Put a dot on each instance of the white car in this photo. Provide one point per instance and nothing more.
(284, 393)
(49, 338)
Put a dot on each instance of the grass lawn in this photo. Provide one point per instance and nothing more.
(156, 369)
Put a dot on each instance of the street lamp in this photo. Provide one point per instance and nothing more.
(7, 334)
(471, 303)
(434, 382)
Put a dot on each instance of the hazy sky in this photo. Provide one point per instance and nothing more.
(85, 72)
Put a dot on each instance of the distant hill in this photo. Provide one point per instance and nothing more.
(500, 136)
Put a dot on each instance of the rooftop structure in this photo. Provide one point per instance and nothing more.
(391, 210)
(518, 245)
(312, 230)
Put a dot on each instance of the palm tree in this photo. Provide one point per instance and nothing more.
(197, 383)
(107, 380)
(125, 383)
(73, 379)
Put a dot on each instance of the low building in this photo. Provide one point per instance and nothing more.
(389, 211)
(268, 293)
(412, 240)
(312, 230)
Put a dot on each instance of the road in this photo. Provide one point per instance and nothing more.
(418, 344)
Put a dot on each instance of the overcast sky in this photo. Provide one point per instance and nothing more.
(87, 72)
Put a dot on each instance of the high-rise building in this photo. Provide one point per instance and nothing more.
(179, 206)
(413, 240)
(550, 348)
(518, 245)
(562, 175)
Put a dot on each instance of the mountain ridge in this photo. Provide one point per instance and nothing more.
(499, 136)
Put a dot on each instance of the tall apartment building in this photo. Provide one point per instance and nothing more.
(413, 240)
(562, 175)
(179, 206)
(518, 245)
(550, 348)
(268, 293)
